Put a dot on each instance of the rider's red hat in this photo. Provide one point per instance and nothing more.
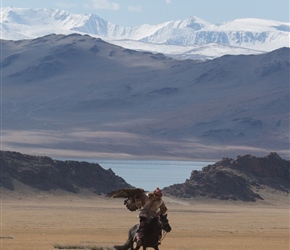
(157, 192)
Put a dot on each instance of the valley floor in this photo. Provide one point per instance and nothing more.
(44, 221)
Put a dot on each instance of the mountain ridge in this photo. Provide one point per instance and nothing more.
(247, 178)
(138, 104)
(251, 35)
(242, 179)
(43, 173)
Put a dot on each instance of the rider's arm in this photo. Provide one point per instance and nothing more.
(163, 208)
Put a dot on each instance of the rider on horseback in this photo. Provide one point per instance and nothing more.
(150, 205)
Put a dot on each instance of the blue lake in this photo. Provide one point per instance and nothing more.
(150, 174)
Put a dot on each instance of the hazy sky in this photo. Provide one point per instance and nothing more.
(136, 12)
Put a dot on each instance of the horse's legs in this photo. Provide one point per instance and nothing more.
(132, 245)
(135, 248)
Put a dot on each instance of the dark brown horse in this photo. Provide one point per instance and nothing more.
(152, 234)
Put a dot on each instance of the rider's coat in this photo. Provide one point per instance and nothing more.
(152, 207)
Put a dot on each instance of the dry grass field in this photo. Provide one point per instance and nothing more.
(41, 222)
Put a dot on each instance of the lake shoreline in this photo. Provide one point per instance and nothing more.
(148, 174)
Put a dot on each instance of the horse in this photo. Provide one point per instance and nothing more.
(152, 234)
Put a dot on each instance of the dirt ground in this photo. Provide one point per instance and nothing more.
(44, 221)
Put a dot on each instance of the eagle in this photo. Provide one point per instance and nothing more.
(133, 195)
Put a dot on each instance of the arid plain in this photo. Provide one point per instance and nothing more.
(41, 221)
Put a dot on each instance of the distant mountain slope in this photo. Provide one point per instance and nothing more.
(239, 179)
(80, 96)
(46, 174)
(241, 36)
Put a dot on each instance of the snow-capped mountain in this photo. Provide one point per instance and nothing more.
(189, 38)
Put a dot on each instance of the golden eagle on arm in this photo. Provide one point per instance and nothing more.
(135, 197)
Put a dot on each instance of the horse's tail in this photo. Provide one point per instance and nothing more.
(123, 247)
(132, 232)
(129, 242)
(126, 246)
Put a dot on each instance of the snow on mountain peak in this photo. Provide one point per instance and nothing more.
(247, 34)
(252, 25)
(193, 23)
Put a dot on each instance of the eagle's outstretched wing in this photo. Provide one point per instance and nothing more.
(127, 193)
(133, 195)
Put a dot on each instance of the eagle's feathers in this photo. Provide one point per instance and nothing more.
(133, 195)
(127, 193)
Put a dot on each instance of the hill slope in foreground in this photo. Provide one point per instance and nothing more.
(248, 178)
(42, 173)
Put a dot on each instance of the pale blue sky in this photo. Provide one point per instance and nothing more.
(136, 12)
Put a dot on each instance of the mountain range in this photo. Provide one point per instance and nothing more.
(248, 178)
(192, 38)
(79, 96)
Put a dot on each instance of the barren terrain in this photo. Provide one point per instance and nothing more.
(44, 221)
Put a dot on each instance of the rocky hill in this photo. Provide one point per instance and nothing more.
(239, 179)
(46, 174)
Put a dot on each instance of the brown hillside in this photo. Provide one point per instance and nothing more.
(44, 173)
(239, 179)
